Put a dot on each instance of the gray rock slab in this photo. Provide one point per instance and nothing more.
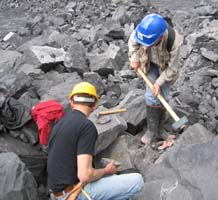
(195, 134)
(107, 132)
(34, 159)
(44, 82)
(61, 91)
(96, 80)
(29, 69)
(134, 102)
(215, 82)
(186, 172)
(119, 151)
(75, 59)
(60, 39)
(109, 61)
(16, 83)
(210, 55)
(8, 61)
(39, 41)
(17, 183)
(102, 64)
(48, 55)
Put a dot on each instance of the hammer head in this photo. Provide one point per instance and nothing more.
(97, 115)
(103, 119)
(180, 124)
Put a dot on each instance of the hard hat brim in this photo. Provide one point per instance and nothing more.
(146, 41)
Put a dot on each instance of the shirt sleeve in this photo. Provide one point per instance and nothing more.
(172, 71)
(133, 48)
(87, 139)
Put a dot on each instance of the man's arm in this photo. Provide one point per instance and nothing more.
(86, 173)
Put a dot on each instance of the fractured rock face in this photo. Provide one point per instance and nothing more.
(47, 55)
(188, 169)
(109, 127)
(17, 183)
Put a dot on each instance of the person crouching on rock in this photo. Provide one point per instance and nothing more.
(71, 174)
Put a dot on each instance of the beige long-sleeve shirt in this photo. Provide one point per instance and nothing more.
(167, 61)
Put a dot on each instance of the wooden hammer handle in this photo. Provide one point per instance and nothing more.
(159, 96)
(112, 111)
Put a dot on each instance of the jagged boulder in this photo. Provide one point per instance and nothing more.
(185, 171)
(8, 61)
(17, 182)
(109, 61)
(75, 59)
(34, 159)
(136, 115)
(109, 127)
(59, 94)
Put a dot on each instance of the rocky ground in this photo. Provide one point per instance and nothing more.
(47, 46)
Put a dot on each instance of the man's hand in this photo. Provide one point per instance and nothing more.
(111, 168)
(155, 89)
(135, 65)
(86, 173)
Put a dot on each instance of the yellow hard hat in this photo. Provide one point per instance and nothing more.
(84, 88)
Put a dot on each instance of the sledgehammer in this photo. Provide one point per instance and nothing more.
(179, 122)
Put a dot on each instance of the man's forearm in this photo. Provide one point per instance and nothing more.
(96, 174)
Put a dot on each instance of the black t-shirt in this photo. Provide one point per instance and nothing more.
(74, 134)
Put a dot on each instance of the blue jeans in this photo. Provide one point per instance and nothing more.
(115, 187)
(150, 99)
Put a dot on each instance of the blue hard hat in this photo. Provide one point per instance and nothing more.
(150, 29)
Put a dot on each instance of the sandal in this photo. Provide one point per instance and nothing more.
(144, 140)
(168, 143)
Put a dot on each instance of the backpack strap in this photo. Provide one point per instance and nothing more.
(171, 38)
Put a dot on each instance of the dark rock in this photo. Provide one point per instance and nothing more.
(120, 15)
(28, 69)
(45, 56)
(57, 93)
(215, 82)
(216, 93)
(195, 134)
(202, 109)
(96, 80)
(135, 116)
(45, 82)
(119, 151)
(107, 62)
(116, 34)
(16, 181)
(187, 96)
(16, 84)
(211, 55)
(107, 132)
(8, 61)
(128, 74)
(76, 60)
(34, 159)
(58, 40)
(56, 21)
(212, 125)
(182, 170)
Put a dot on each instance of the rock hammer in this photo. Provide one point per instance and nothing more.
(108, 112)
(179, 122)
(106, 119)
